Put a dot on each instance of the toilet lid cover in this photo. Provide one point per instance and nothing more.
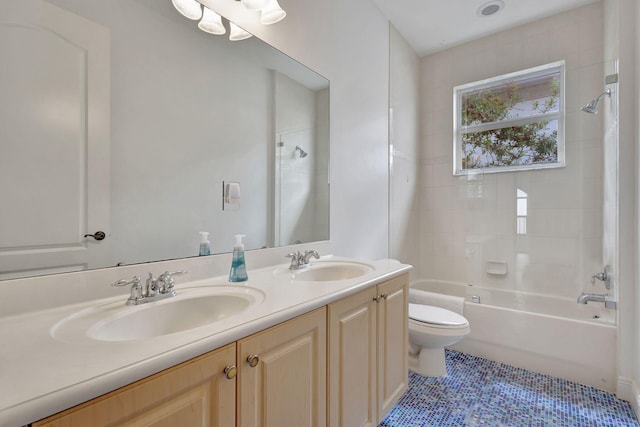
(435, 315)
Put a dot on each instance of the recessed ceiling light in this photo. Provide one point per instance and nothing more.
(490, 8)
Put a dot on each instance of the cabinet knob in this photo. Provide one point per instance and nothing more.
(381, 298)
(253, 360)
(230, 372)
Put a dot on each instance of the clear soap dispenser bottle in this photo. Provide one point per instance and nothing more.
(238, 271)
(205, 246)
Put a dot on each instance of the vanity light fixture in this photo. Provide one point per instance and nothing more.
(211, 22)
(236, 33)
(272, 13)
(188, 8)
(254, 4)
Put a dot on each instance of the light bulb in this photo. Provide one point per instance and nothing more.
(189, 8)
(254, 4)
(272, 13)
(211, 22)
(236, 33)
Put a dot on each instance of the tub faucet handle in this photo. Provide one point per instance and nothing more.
(604, 276)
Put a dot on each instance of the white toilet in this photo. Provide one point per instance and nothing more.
(430, 330)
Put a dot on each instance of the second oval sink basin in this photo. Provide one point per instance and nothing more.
(191, 308)
(329, 271)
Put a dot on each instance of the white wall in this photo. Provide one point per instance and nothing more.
(622, 17)
(404, 139)
(347, 42)
(633, 356)
(468, 221)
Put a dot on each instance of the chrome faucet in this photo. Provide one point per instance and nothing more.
(155, 289)
(307, 256)
(606, 299)
(300, 261)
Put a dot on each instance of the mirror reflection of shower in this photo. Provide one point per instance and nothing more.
(302, 154)
(592, 107)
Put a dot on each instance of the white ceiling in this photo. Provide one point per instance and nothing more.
(434, 25)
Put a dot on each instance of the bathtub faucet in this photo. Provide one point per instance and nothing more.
(606, 299)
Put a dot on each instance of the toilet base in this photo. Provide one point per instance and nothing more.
(429, 362)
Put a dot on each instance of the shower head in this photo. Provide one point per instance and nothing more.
(303, 153)
(592, 107)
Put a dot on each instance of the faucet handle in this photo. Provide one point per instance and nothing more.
(136, 289)
(166, 279)
(604, 276)
(135, 280)
(175, 273)
(295, 260)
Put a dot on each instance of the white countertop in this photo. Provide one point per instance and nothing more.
(41, 374)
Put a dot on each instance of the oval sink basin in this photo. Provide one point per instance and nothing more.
(330, 271)
(191, 308)
(176, 316)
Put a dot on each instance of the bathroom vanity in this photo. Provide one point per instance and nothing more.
(322, 346)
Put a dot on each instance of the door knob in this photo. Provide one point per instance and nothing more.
(98, 235)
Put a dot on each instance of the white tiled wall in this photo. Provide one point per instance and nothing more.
(467, 221)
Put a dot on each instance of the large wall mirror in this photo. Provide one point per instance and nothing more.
(123, 117)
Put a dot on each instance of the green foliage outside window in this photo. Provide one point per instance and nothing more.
(507, 125)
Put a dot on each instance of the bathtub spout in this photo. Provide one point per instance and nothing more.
(606, 299)
(585, 298)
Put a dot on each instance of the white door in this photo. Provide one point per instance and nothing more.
(54, 140)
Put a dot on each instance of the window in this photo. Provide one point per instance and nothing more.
(510, 122)
(521, 212)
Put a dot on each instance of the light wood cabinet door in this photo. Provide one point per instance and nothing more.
(352, 361)
(195, 393)
(392, 342)
(287, 386)
(368, 339)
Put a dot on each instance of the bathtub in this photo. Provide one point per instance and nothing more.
(554, 336)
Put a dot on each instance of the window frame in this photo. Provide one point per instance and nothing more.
(459, 129)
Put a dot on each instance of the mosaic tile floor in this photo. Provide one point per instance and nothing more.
(480, 392)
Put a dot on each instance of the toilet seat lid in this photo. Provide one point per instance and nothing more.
(435, 315)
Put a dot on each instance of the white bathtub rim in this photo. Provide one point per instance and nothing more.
(488, 288)
(601, 321)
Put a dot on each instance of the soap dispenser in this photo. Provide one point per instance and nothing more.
(238, 271)
(205, 246)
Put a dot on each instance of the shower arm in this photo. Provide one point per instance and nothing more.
(607, 92)
(592, 107)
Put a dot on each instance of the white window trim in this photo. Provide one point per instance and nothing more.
(458, 129)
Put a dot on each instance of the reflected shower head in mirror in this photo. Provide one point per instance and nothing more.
(303, 153)
(592, 107)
